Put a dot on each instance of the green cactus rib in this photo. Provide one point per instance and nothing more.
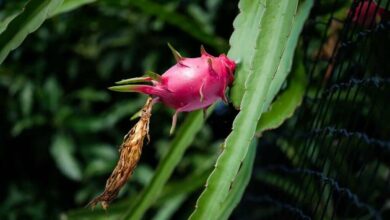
(288, 55)
(239, 185)
(287, 102)
(33, 15)
(251, 14)
(275, 27)
(283, 108)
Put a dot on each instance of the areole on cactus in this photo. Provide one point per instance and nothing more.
(191, 84)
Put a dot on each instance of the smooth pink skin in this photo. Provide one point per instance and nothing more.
(181, 86)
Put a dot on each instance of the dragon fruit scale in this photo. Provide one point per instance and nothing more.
(191, 84)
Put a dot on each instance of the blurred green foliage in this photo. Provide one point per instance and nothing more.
(60, 126)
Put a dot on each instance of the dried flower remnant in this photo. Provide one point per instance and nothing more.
(130, 153)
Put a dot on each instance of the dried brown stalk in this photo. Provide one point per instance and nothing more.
(130, 153)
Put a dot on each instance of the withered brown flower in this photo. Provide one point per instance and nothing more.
(130, 153)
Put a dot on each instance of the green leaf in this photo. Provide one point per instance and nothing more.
(34, 14)
(105, 120)
(69, 5)
(284, 106)
(28, 123)
(62, 151)
(180, 143)
(383, 4)
(26, 98)
(169, 207)
(183, 186)
(184, 23)
(103, 159)
(52, 94)
(4, 23)
(274, 28)
(242, 180)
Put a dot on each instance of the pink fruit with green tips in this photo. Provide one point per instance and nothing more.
(191, 84)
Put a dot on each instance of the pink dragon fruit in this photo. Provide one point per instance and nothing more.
(191, 84)
(367, 12)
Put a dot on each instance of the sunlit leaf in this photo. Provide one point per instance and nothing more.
(69, 5)
(34, 14)
(62, 151)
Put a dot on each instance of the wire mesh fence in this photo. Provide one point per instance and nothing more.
(332, 160)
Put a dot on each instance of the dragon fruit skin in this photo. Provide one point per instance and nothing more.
(191, 84)
(366, 12)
